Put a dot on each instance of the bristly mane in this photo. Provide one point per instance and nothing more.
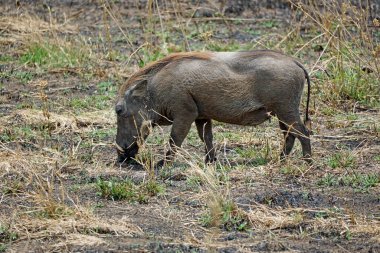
(154, 67)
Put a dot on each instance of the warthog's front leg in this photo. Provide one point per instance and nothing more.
(180, 129)
(204, 127)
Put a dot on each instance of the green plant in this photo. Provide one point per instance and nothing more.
(293, 170)
(341, 160)
(152, 188)
(229, 217)
(357, 181)
(252, 31)
(233, 218)
(99, 102)
(328, 180)
(21, 132)
(117, 190)
(150, 56)
(353, 85)
(228, 135)
(54, 55)
(269, 23)
(256, 157)
(106, 88)
(5, 58)
(3, 247)
(223, 47)
(101, 134)
(13, 186)
(194, 182)
(23, 76)
(6, 235)
(360, 182)
(321, 215)
(127, 190)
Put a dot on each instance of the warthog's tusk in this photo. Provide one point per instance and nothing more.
(119, 148)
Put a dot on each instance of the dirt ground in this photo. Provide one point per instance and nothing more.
(57, 128)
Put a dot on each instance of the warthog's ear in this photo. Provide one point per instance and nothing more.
(138, 90)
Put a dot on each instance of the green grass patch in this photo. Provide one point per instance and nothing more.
(6, 236)
(106, 88)
(13, 186)
(99, 102)
(223, 47)
(150, 56)
(360, 182)
(349, 84)
(3, 247)
(127, 190)
(156, 138)
(341, 160)
(229, 217)
(23, 76)
(5, 58)
(357, 86)
(102, 134)
(256, 157)
(47, 55)
(328, 180)
(23, 133)
(252, 31)
(269, 23)
(293, 170)
(194, 182)
(230, 136)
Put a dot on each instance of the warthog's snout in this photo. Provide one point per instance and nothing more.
(118, 109)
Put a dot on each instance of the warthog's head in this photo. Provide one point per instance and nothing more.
(132, 124)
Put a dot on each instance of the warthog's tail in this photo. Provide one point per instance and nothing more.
(307, 119)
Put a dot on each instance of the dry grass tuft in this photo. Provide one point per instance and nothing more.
(79, 239)
(58, 123)
(69, 229)
(20, 29)
(312, 221)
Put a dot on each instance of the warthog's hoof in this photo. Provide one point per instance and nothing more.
(307, 159)
(159, 165)
(210, 160)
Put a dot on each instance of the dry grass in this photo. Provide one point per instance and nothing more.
(59, 123)
(26, 28)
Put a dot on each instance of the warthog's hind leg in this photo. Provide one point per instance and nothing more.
(289, 140)
(204, 127)
(295, 129)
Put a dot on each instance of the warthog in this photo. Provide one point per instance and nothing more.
(243, 88)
